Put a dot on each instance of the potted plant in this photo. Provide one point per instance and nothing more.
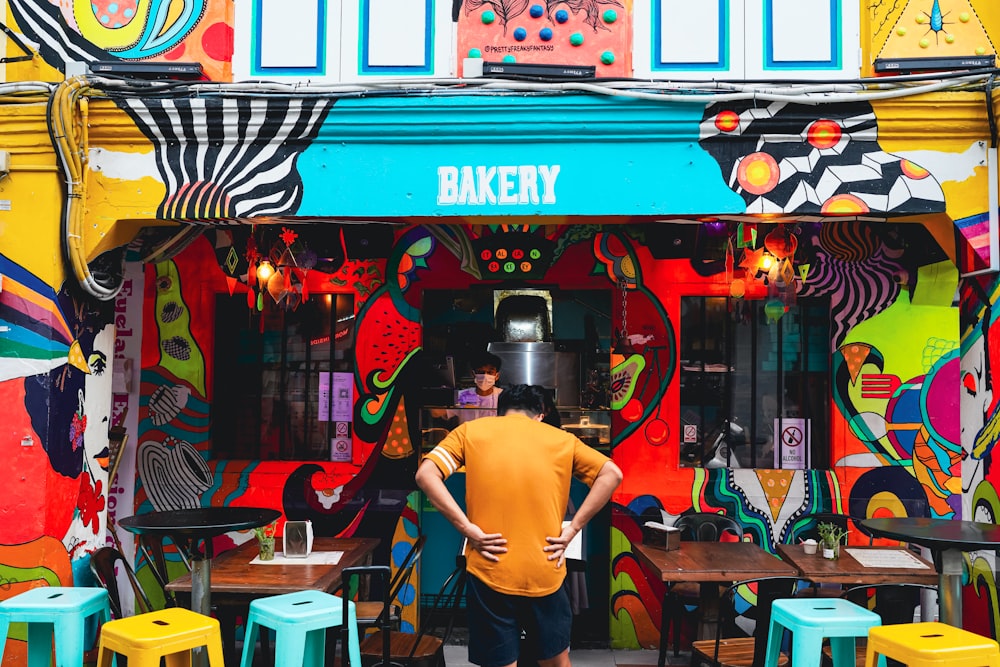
(265, 539)
(830, 538)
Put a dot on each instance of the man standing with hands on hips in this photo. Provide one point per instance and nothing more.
(518, 474)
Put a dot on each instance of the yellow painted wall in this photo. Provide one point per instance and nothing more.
(30, 195)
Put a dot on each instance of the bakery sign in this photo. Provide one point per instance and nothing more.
(497, 185)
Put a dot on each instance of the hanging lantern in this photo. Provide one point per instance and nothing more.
(774, 309)
(738, 288)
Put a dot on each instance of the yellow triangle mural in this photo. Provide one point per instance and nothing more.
(937, 29)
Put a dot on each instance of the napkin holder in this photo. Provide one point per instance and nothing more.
(661, 536)
(297, 540)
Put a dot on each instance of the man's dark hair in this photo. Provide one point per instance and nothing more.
(480, 359)
(528, 398)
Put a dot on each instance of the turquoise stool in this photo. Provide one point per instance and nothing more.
(54, 613)
(812, 620)
(300, 621)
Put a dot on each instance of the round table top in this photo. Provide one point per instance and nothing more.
(201, 522)
(937, 533)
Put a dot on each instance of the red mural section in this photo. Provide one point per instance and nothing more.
(645, 294)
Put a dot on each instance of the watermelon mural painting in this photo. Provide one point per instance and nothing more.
(388, 336)
(639, 380)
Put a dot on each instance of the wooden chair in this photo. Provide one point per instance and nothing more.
(102, 564)
(694, 527)
(389, 648)
(731, 646)
(894, 603)
(370, 611)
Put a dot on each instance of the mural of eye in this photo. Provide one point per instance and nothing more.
(758, 173)
(98, 362)
(727, 121)
(163, 283)
(914, 171)
(970, 384)
(844, 205)
(824, 133)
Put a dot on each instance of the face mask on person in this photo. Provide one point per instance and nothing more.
(485, 381)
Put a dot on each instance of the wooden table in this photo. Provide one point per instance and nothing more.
(236, 583)
(847, 569)
(710, 563)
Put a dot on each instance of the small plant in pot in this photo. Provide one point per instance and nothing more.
(831, 536)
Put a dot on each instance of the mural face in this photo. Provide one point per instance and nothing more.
(980, 424)
(86, 533)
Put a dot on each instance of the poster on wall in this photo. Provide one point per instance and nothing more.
(336, 397)
(792, 452)
(541, 32)
(340, 443)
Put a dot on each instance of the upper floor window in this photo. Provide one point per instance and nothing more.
(755, 392)
(747, 39)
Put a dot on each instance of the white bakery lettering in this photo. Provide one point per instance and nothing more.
(497, 185)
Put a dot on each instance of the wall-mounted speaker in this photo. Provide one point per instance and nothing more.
(368, 241)
(685, 241)
(671, 241)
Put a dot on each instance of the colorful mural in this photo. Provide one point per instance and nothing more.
(192, 31)
(912, 412)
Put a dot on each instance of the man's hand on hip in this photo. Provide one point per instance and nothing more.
(487, 544)
(557, 545)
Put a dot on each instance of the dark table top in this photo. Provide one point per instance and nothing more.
(937, 534)
(199, 523)
(713, 561)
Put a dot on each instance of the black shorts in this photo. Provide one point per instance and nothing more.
(496, 620)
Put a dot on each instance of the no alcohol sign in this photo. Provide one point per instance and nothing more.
(791, 452)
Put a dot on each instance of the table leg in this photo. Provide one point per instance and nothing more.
(661, 660)
(201, 600)
(950, 587)
(708, 612)
(201, 586)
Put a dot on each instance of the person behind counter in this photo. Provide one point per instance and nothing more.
(486, 393)
(518, 473)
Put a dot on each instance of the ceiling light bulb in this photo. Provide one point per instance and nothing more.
(264, 271)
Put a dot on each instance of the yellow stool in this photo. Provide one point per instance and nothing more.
(170, 633)
(931, 645)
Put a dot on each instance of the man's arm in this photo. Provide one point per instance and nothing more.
(600, 492)
(430, 479)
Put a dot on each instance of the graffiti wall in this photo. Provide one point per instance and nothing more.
(873, 207)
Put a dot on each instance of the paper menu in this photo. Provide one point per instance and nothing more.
(315, 558)
(574, 550)
(887, 558)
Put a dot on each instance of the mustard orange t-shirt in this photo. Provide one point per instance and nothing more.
(518, 474)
